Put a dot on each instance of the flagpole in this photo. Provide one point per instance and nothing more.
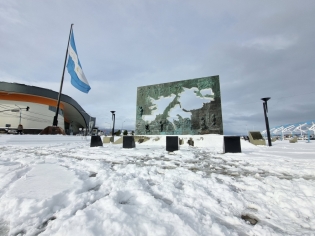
(55, 122)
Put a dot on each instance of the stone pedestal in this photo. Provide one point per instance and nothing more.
(172, 143)
(96, 141)
(106, 140)
(232, 144)
(128, 142)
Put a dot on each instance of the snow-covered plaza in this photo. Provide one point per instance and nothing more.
(59, 185)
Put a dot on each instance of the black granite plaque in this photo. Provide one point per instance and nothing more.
(256, 135)
(172, 143)
(96, 141)
(128, 142)
(232, 144)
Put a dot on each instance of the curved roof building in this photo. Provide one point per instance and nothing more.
(42, 103)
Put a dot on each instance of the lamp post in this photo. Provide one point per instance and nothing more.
(20, 127)
(266, 119)
(18, 110)
(122, 125)
(14, 110)
(20, 113)
(109, 125)
(113, 118)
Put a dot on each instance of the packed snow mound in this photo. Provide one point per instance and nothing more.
(31, 185)
(66, 187)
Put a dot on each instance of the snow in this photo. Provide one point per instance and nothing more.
(59, 185)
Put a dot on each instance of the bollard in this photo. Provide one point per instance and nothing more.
(181, 141)
(191, 142)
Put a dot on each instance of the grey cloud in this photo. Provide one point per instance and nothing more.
(258, 48)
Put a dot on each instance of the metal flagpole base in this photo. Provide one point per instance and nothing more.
(52, 130)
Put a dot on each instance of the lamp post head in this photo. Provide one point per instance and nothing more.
(265, 99)
(112, 112)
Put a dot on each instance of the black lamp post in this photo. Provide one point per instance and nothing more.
(266, 119)
(113, 118)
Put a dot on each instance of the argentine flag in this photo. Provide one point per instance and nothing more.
(74, 67)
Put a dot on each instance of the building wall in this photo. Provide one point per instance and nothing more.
(39, 116)
(183, 107)
(42, 103)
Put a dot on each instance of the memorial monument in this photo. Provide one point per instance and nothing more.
(188, 107)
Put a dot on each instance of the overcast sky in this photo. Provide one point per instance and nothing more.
(258, 48)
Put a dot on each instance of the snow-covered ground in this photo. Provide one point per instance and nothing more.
(59, 185)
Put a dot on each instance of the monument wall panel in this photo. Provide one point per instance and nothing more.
(178, 108)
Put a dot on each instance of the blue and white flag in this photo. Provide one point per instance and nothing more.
(74, 67)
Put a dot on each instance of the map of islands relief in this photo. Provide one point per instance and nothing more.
(177, 108)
